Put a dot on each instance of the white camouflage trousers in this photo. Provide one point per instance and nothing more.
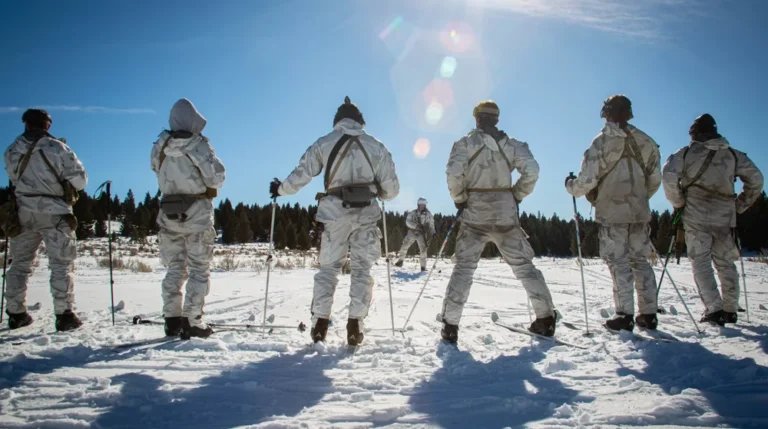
(408, 241)
(625, 248)
(705, 246)
(363, 241)
(60, 245)
(516, 251)
(188, 257)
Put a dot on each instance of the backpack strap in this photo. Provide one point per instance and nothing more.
(24, 161)
(162, 151)
(506, 160)
(704, 166)
(638, 156)
(329, 175)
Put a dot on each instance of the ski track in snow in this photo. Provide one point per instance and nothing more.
(493, 378)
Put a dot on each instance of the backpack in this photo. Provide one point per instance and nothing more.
(631, 144)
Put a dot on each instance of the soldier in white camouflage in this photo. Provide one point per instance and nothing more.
(46, 175)
(699, 179)
(358, 169)
(621, 171)
(421, 229)
(479, 175)
(189, 174)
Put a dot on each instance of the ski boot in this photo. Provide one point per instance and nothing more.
(423, 269)
(173, 326)
(544, 326)
(399, 264)
(621, 321)
(67, 321)
(730, 317)
(319, 331)
(188, 330)
(714, 318)
(450, 333)
(18, 320)
(354, 334)
(647, 321)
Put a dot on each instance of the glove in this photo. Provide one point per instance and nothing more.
(274, 186)
(570, 176)
(460, 206)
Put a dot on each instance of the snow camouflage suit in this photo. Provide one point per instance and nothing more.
(43, 218)
(622, 209)
(485, 185)
(710, 213)
(352, 229)
(421, 227)
(186, 247)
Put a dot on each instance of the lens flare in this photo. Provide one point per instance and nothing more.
(458, 37)
(448, 67)
(434, 113)
(391, 27)
(439, 90)
(421, 148)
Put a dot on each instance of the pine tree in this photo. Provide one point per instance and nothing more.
(244, 233)
(129, 205)
(291, 240)
(82, 211)
(281, 237)
(303, 239)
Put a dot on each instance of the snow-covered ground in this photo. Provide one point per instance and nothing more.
(493, 379)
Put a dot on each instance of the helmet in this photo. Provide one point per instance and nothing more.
(617, 108)
(348, 110)
(486, 108)
(704, 124)
(422, 202)
(36, 118)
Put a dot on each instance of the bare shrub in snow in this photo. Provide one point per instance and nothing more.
(285, 264)
(228, 262)
(141, 267)
(118, 263)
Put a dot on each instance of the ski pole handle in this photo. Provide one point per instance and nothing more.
(109, 187)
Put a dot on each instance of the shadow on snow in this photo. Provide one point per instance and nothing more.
(507, 391)
(277, 386)
(736, 389)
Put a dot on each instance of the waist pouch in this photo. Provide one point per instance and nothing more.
(175, 206)
(354, 196)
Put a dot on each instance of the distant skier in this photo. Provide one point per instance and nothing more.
(699, 178)
(189, 175)
(479, 175)
(47, 177)
(421, 229)
(358, 169)
(619, 174)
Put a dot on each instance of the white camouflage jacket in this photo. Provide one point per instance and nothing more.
(485, 183)
(624, 190)
(421, 221)
(38, 177)
(353, 169)
(190, 166)
(711, 200)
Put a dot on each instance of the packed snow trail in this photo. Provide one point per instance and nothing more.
(493, 378)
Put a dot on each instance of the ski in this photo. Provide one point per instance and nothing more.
(641, 337)
(659, 335)
(142, 343)
(522, 330)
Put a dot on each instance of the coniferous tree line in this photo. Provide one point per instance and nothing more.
(296, 228)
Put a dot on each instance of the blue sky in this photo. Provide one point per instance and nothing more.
(269, 76)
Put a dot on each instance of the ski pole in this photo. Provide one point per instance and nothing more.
(108, 186)
(269, 256)
(581, 261)
(442, 248)
(676, 222)
(680, 296)
(389, 276)
(743, 276)
(5, 265)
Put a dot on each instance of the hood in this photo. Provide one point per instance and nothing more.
(489, 140)
(29, 137)
(185, 117)
(349, 127)
(714, 144)
(612, 129)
